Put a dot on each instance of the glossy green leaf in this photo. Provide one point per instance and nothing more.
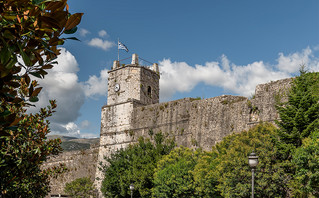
(34, 99)
(71, 31)
(36, 74)
(25, 57)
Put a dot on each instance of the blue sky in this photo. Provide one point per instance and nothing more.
(204, 48)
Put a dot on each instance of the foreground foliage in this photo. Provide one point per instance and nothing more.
(22, 154)
(173, 176)
(233, 172)
(80, 188)
(30, 31)
(134, 165)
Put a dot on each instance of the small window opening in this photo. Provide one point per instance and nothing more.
(149, 91)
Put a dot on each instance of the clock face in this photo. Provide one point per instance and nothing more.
(117, 87)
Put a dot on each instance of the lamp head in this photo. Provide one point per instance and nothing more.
(253, 160)
(131, 187)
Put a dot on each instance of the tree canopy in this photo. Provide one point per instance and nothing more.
(134, 165)
(233, 172)
(30, 33)
(224, 171)
(173, 175)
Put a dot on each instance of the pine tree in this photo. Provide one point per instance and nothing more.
(299, 116)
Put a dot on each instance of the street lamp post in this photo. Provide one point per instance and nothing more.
(253, 162)
(131, 188)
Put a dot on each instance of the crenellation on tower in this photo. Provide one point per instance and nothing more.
(134, 59)
(116, 64)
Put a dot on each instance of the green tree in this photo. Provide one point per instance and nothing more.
(231, 168)
(30, 31)
(80, 188)
(306, 161)
(134, 164)
(299, 116)
(173, 176)
(22, 154)
(205, 178)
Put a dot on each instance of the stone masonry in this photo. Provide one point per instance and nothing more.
(133, 110)
(78, 163)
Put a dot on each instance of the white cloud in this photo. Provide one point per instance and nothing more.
(241, 80)
(292, 62)
(96, 86)
(62, 84)
(102, 33)
(71, 129)
(83, 32)
(102, 44)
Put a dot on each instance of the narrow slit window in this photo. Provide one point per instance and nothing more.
(149, 91)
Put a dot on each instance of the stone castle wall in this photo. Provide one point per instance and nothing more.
(78, 163)
(193, 123)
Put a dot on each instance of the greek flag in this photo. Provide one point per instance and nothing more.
(122, 47)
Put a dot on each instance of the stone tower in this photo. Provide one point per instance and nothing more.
(129, 86)
(133, 82)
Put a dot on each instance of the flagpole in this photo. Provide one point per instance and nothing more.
(118, 50)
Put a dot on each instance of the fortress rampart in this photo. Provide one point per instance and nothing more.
(134, 112)
(193, 122)
(78, 163)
